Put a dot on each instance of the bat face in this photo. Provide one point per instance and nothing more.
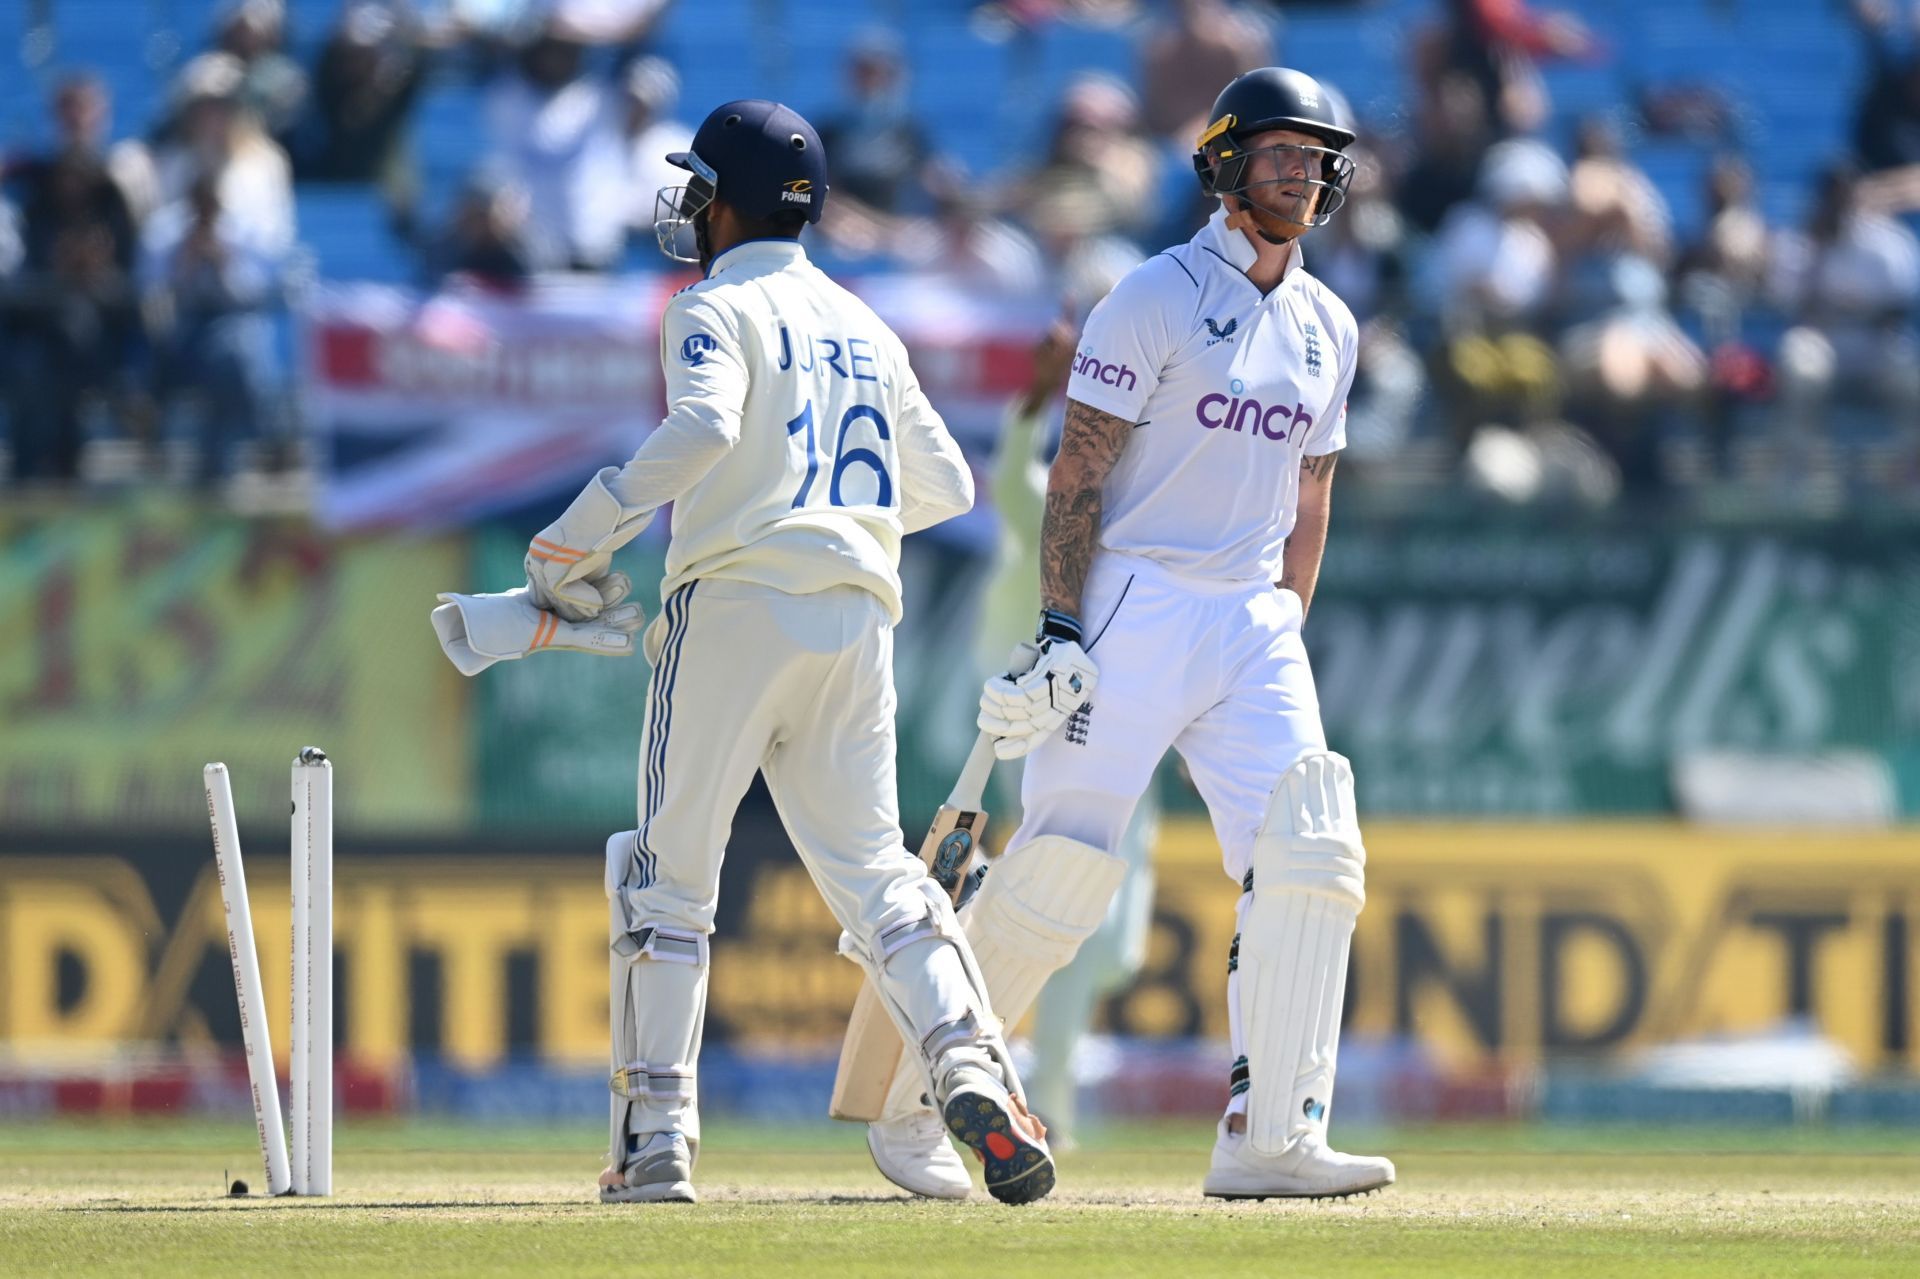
(950, 844)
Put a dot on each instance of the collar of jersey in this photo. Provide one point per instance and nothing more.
(769, 249)
(1232, 247)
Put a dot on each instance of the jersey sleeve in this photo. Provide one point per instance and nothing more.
(1129, 338)
(1330, 433)
(936, 483)
(705, 370)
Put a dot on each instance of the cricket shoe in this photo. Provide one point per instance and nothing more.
(912, 1151)
(1010, 1142)
(1310, 1169)
(659, 1170)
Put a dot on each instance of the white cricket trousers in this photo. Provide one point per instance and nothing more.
(799, 687)
(1215, 670)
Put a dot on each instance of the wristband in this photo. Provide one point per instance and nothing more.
(1056, 625)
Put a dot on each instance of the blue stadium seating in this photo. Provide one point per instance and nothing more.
(1791, 70)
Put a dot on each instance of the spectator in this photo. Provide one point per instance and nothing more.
(1615, 207)
(1490, 280)
(272, 85)
(1850, 282)
(555, 130)
(369, 75)
(1099, 175)
(652, 91)
(1185, 62)
(212, 134)
(1495, 262)
(1630, 369)
(1886, 128)
(70, 323)
(1722, 272)
(877, 153)
(82, 111)
(1495, 43)
(208, 287)
(1452, 132)
(485, 239)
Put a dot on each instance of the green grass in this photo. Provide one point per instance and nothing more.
(794, 1203)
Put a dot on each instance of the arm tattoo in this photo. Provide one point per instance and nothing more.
(1300, 568)
(1090, 444)
(1319, 468)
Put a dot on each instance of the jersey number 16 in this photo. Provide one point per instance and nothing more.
(843, 457)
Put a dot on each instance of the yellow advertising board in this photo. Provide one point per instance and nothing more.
(1528, 941)
(1522, 942)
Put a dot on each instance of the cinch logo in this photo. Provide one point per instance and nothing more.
(798, 191)
(1087, 364)
(1219, 412)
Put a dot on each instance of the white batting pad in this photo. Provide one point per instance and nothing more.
(1035, 907)
(1289, 977)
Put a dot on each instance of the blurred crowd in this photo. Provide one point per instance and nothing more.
(1535, 324)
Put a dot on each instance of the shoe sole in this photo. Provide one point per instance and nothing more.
(659, 1192)
(1349, 1193)
(1017, 1170)
(949, 1196)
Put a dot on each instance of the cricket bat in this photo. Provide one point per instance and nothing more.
(871, 1053)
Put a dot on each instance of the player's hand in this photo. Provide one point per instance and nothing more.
(1052, 358)
(1021, 711)
(478, 630)
(569, 563)
(576, 599)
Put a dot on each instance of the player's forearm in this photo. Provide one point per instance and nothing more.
(1090, 445)
(1068, 534)
(936, 495)
(672, 460)
(937, 483)
(1307, 544)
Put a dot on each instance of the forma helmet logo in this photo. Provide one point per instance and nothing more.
(1087, 364)
(798, 191)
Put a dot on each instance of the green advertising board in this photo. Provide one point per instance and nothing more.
(1470, 665)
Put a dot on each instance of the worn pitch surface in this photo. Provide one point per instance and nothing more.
(791, 1203)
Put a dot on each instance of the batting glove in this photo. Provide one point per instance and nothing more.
(1021, 711)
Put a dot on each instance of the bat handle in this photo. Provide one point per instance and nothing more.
(971, 787)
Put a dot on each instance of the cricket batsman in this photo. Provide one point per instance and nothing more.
(797, 450)
(1186, 513)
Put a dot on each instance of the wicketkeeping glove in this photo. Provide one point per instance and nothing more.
(1020, 711)
(576, 550)
(478, 630)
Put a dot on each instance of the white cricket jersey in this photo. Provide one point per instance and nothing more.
(798, 447)
(1230, 388)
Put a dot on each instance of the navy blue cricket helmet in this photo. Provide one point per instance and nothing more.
(761, 157)
(1276, 98)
